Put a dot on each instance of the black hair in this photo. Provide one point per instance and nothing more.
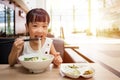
(37, 15)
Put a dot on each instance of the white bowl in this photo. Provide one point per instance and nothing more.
(36, 66)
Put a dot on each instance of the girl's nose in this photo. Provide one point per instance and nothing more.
(40, 29)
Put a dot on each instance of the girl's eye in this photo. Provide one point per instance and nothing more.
(34, 25)
(44, 26)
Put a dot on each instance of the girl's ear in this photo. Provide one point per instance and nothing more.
(26, 29)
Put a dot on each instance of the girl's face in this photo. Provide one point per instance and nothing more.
(37, 29)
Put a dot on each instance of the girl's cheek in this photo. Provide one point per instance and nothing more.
(34, 31)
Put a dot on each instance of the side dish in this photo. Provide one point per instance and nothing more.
(88, 72)
(77, 70)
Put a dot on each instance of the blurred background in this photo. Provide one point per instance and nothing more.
(68, 17)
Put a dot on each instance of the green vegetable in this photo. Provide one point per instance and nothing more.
(44, 58)
(73, 66)
(31, 59)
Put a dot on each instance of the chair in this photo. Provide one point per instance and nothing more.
(5, 49)
(59, 45)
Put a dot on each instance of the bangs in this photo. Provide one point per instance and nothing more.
(39, 18)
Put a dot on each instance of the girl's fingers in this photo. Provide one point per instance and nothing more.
(58, 60)
(56, 54)
(18, 43)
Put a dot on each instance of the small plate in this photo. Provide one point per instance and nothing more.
(76, 70)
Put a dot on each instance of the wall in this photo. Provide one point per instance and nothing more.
(41, 4)
(19, 22)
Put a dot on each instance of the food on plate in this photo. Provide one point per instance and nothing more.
(73, 66)
(70, 71)
(88, 72)
(73, 71)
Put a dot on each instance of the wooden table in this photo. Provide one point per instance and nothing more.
(52, 73)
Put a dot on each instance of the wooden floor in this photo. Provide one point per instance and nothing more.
(105, 51)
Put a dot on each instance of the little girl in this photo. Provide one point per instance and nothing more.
(37, 21)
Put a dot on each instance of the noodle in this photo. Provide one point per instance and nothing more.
(39, 44)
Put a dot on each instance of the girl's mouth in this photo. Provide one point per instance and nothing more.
(38, 36)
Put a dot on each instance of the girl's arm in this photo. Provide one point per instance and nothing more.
(58, 59)
(15, 51)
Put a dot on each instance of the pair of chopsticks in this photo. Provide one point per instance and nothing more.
(12, 40)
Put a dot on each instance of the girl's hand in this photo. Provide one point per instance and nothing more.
(18, 45)
(57, 60)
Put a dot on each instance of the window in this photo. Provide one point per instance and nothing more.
(82, 16)
(6, 20)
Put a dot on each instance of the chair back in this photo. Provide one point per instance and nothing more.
(59, 45)
(5, 49)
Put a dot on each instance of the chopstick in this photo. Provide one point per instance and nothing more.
(31, 39)
(12, 40)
